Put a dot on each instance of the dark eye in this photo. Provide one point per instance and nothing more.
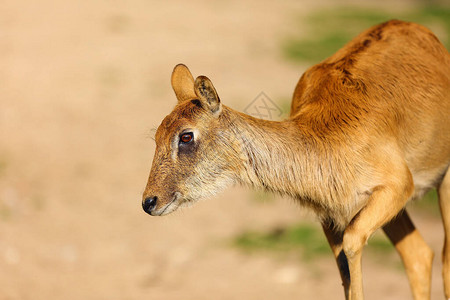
(186, 137)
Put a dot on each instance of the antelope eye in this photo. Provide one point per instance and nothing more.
(186, 137)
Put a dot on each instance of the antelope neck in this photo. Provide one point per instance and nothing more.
(271, 153)
(281, 158)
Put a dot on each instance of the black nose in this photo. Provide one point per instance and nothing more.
(149, 204)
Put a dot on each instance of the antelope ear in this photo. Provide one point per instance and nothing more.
(207, 94)
(183, 83)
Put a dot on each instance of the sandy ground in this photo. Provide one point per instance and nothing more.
(82, 85)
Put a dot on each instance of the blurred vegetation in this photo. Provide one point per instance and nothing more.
(285, 106)
(428, 204)
(331, 29)
(306, 239)
(309, 241)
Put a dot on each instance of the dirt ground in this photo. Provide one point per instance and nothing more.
(82, 85)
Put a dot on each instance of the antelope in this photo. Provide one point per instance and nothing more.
(368, 131)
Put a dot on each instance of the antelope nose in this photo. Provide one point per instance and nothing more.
(149, 204)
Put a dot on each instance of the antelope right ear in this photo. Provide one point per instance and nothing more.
(183, 83)
(207, 94)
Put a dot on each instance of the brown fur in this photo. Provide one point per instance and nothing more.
(368, 131)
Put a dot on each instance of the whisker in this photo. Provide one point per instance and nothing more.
(151, 134)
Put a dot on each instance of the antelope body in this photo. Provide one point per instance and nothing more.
(369, 130)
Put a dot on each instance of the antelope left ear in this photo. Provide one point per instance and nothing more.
(207, 93)
(183, 83)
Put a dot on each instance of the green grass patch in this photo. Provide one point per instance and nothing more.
(329, 30)
(379, 244)
(428, 204)
(305, 239)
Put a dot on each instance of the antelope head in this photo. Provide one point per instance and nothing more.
(193, 153)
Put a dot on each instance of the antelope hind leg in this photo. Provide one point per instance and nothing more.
(444, 202)
(417, 257)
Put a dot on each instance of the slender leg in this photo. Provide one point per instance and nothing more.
(417, 257)
(384, 204)
(444, 202)
(335, 240)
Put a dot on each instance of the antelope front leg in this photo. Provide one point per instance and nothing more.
(384, 204)
(335, 240)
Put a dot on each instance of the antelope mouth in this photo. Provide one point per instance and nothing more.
(169, 207)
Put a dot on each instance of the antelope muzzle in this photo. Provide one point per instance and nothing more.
(149, 204)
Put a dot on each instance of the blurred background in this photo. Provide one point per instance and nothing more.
(83, 85)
